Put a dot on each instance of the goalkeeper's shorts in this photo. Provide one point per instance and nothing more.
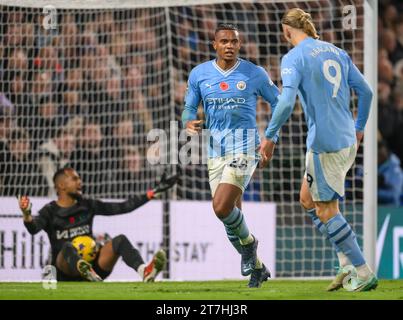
(326, 172)
(233, 169)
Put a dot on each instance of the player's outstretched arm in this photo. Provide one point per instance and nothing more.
(112, 208)
(283, 111)
(166, 183)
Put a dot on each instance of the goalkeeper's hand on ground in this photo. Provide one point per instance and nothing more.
(165, 183)
(25, 206)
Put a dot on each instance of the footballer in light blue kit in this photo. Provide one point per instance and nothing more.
(322, 76)
(229, 88)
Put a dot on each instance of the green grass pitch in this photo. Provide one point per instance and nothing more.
(206, 290)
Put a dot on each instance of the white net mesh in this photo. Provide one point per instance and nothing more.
(87, 93)
(84, 94)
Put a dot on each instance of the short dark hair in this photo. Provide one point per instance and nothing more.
(60, 172)
(226, 26)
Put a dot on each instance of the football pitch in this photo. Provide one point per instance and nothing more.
(206, 290)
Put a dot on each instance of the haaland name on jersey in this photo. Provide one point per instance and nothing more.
(322, 49)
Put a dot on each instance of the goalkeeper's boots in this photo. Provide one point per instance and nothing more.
(157, 264)
(337, 282)
(258, 276)
(368, 284)
(87, 272)
(249, 257)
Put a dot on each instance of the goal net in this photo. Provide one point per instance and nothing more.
(84, 82)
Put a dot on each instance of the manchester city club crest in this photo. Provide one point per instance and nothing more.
(241, 85)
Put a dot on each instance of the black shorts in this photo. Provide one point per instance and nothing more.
(61, 276)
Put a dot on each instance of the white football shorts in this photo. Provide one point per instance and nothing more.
(326, 172)
(233, 169)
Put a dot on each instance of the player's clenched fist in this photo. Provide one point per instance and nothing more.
(25, 206)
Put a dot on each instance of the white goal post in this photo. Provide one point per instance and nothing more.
(371, 144)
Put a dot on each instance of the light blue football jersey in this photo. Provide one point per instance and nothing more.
(323, 75)
(229, 101)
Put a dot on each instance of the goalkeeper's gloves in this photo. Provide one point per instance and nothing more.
(165, 183)
(25, 205)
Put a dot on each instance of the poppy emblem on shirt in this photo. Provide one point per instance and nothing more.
(72, 220)
(224, 86)
(241, 85)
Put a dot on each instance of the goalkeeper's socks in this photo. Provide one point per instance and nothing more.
(130, 255)
(71, 256)
(236, 225)
(343, 259)
(341, 235)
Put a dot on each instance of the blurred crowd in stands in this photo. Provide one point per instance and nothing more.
(87, 93)
(84, 94)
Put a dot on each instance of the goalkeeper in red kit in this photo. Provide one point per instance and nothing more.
(72, 215)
